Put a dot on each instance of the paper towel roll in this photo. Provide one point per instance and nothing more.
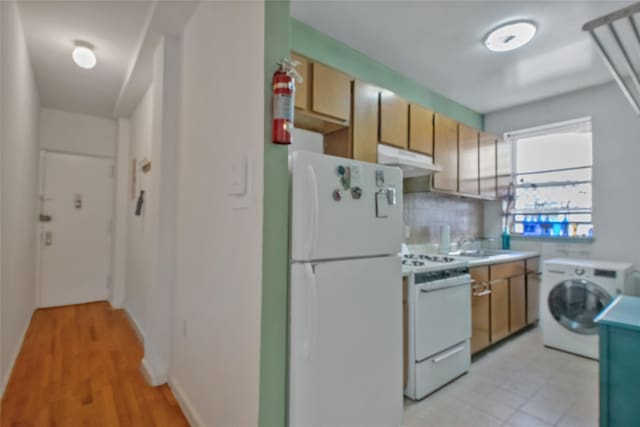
(445, 239)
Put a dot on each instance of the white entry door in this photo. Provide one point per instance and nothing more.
(75, 229)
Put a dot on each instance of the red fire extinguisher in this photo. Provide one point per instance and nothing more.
(284, 88)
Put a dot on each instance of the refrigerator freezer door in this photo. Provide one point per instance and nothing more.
(343, 208)
(346, 343)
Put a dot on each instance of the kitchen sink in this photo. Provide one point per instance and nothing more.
(481, 253)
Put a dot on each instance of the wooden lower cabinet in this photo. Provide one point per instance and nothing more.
(499, 309)
(480, 321)
(504, 299)
(405, 332)
(517, 303)
(480, 309)
(533, 297)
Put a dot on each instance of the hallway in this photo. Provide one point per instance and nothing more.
(79, 366)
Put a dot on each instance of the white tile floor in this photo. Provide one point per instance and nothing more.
(519, 384)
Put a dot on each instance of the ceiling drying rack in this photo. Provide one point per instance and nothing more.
(614, 34)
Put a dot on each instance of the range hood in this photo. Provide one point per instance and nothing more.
(412, 164)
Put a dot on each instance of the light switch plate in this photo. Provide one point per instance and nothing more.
(239, 176)
(239, 181)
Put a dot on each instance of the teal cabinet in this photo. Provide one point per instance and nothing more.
(619, 326)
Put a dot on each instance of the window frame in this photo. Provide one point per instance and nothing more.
(581, 123)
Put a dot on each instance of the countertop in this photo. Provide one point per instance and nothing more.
(623, 312)
(508, 256)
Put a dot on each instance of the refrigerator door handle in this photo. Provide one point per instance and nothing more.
(311, 311)
(313, 210)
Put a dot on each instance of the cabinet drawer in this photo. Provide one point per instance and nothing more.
(533, 265)
(479, 275)
(442, 368)
(506, 270)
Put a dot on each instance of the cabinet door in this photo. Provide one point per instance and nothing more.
(445, 153)
(468, 160)
(533, 297)
(499, 309)
(487, 165)
(394, 120)
(302, 98)
(503, 172)
(420, 129)
(480, 322)
(517, 303)
(364, 124)
(331, 92)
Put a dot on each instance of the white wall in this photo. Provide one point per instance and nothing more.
(77, 133)
(215, 367)
(122, 197)
(19, 131)
(137, 275)
(160, 222)
(616, 150)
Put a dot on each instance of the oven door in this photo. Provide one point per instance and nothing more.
(443, 317)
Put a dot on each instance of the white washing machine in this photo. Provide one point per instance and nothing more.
(573, 293)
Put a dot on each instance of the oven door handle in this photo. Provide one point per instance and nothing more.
(448, 354)
(426, 291)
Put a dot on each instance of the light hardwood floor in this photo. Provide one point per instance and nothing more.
(79, 366)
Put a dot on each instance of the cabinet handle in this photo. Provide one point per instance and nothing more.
(448, 354)
(481, 294)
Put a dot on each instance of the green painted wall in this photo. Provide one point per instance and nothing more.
(283, 34)
(275, 252)
(314, 44)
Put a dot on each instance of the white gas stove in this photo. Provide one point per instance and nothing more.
(419, 263)
(439, 321)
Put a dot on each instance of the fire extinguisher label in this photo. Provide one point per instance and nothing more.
(283, 107)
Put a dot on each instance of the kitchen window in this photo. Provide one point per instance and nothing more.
(551, 191)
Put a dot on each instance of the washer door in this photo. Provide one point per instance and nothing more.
(575, 303)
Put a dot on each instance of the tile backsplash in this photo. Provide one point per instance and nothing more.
(425, 212)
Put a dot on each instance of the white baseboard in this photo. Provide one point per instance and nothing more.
(7, 377)
(186, 406)
(135, 325)
(152, 377)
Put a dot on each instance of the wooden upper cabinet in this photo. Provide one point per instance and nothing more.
(487, 165)
(468, 161)
(364, 123)
(420, 129)
(302, 97)
(330, 92)
(445, 153)
(394, 120)
(504, 167)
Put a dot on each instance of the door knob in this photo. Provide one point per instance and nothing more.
(44, 218)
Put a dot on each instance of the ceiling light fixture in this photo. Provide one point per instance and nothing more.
(83, 55)
(510, 36)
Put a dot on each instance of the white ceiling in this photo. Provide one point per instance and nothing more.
(113, 27)
(439, 44)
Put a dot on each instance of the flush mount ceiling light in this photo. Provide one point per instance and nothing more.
(83, 55)
(510, 36)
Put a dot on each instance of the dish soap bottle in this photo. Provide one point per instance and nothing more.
(506, 239)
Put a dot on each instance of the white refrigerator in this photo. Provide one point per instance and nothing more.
(345, 336)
